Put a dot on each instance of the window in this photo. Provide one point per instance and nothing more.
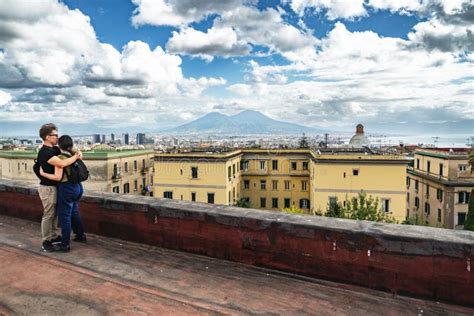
(416, 185)
(287, 203)
(461, 218)
(275, 184)
(355, 172)
(181, 171)
(244, 165)
(274, 164)
(210, 198)
(440, 169)
(418, 164)
(427, 208)
(116, 171)
(116, 189)
(287, 185)
(229, 172)
(233, 170)
(463, 197)
(26, 166)
(408, 197)
(304, 203)
(126, 167)
(439, 195)
(304, 185)
(439, 215)
(427, 190)
(135, 185)
(428, 166)
(143, 182)
(462, 168)
(135, 165)
(262, 165)
(143, 164)
(263, 202)
(294, 165)
(193, 196)
(417, 202)
(151, 180)
(408, 182)
(263, 184)
(126, 188)
(332, 200)
(246, 184)
(305, 165)
(194, 172)
(229, 199)
(274, 202)
(18, 166)
(168, 195)
(386, 205)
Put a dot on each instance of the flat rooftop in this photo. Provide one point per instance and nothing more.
(110, 276)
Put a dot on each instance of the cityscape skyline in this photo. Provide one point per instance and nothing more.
(141, 65)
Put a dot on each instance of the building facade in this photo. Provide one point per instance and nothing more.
(439, 185)
(127, 171)
(277, 179)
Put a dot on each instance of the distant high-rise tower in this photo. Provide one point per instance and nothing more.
(112, 137)
(96, 139)
(126, 139)
(140, 139)
(103, 139)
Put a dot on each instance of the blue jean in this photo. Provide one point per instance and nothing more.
(69, 195)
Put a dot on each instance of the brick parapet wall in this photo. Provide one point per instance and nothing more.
(410, 260)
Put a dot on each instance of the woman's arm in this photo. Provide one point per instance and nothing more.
(57, 176)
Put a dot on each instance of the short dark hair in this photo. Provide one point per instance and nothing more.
(46, 129)
(65, 142)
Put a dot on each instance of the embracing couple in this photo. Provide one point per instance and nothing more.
(59, 194)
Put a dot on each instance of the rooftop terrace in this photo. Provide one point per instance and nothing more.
(255, 262)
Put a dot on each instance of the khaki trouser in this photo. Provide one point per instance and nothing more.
(49, 221)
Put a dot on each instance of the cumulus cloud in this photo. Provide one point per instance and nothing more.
(335, 9)
(215, 42)
(237, 30)
(178, 12)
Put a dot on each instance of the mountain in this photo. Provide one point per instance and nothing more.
(245, 123)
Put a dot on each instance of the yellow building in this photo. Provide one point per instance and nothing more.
(199, 177)
(277, 179)
(125, 171)
(439, 185)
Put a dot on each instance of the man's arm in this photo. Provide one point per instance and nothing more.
(62, 163)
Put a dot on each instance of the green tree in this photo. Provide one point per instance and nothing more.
(469, 223)
(363, 207)
(303, 143)
(242, 203)
(293, 210)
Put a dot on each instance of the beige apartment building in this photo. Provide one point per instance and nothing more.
(439, 185)
(277, 179)
(119, 171)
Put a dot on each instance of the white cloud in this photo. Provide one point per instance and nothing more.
(178, 12)
(335, 8)
(215, 42)
(5, 97)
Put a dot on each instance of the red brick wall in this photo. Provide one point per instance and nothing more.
(403, 259)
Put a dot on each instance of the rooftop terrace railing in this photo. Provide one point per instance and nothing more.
(410, 260)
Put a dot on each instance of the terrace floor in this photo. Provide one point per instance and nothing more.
(110, 276)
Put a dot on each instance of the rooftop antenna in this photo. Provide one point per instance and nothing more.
(436, 140)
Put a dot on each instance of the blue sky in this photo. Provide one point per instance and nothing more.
(323, 63)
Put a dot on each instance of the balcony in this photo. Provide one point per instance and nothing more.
(392, 257)
(116, 176)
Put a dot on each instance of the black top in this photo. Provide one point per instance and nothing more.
(44, 154)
